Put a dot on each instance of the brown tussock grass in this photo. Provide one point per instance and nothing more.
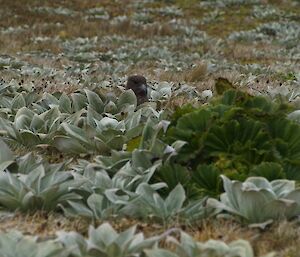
(42, 224)
(197, 73)
(245, 53)
(281, 237)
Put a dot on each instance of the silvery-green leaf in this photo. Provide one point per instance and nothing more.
(178, 144)
(6, 156)
(175, 199)
(294, 195)
(101, 146)
(28, 138)
(75, 132)
(51, 115)
(14, 244)
(68, 144)
(92, 116)
(295, 115)
(101, 237)
(116, 143)
(5, 164)
(112, 195)
(50, 99)
(139, 243)
(257, 183)
(231, 194)
(95, 101)
(78, 209)
(24, 111)
(141, 158)
(133, 120)
(65, 104)
(134, 132)
(18, 102)
(241, 247)
(159, 253)
(256, 193)
(73, 241)
(127, 98)
(147, 135)
(22, 122)
(155, 95)
(36, 123)
(7, 127)
(38, 108)
(221, 206)
(95, 202)
(106, 123)
(75, 118)
(110, 107)
(79, 101)
(35, 176)
(282, 187)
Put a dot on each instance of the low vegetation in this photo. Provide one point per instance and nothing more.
(208, 167)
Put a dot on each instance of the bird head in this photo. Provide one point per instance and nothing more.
(138, 85)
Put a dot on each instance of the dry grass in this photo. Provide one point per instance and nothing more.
(42, 224)
(197, 73)
(283, 237)
(194, 74)
(246, 53)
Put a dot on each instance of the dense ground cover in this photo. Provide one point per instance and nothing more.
(87, 172)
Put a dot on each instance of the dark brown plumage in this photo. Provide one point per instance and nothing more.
(138, 85)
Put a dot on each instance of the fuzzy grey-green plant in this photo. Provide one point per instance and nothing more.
(259, 201)
(105, 241)
(14, 244)
(36, 190)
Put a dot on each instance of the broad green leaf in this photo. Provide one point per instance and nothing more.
(68, 145)
(110, 107)
(79, 101)
(18, 102)
(65, 104)
(76, 133)
(175, 199)
(94, 101)
(127, 98)
(6, 156)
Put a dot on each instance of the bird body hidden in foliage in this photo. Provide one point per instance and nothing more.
(138, 85)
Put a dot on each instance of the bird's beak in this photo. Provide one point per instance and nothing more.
(144, 88)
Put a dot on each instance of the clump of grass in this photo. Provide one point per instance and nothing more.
(197, 73)
(42, 224)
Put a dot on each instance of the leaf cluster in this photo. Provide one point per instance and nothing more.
(237, 135)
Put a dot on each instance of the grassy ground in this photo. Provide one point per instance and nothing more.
(66, 45)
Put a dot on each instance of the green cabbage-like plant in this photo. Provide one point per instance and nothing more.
(105, 241)
(259, 201)
(105, 196)
(98, 206)
(37, 190)
(103, 134)
(205, 180)
(232, 135)
(75, 123)
(14, 244)
(149, 203)
(31, 129)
